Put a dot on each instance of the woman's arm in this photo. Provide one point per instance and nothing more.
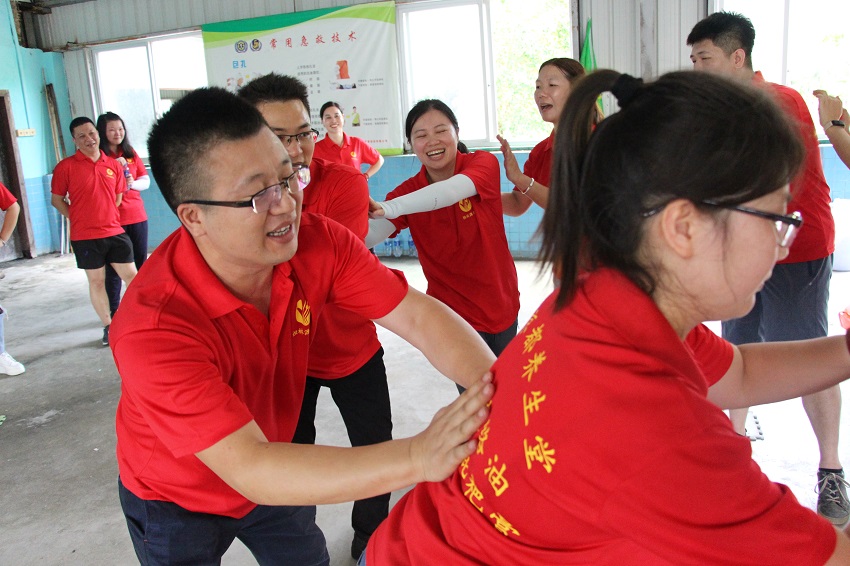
(529, 187)
(375, 167)
(379, 230)
(436, 195)
(775, 371)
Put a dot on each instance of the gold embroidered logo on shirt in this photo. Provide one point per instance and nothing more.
(302, 312)
(110, 172)
(465, 205)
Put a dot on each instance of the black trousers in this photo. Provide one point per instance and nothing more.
(363, 399)
(138, 234)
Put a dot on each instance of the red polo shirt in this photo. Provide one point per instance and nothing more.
(463, 248)
(132, 208)
(92, 187)
(7, 199)
(197, 364)
(344, 340)
(538, 166)
(602, 448)
(810, 192)
(353, 152)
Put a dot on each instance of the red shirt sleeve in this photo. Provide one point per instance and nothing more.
(712, 353)
(7, 199)
(137, 166)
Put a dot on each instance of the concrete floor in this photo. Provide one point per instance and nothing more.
(58, 500)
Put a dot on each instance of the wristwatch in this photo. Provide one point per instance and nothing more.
(838, 123)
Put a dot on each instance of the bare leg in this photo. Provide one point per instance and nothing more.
(739, 420)
(824, 411)
(126, 271)
(97, 294)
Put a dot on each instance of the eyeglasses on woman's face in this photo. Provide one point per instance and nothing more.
(787, 225)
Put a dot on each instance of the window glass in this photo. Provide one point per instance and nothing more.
(127, 87)
(176, 76)
(449, 49)
(814, 48)
(525, 34)
(444, 58)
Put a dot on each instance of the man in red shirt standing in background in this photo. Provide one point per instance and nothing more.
(94, 185)
(793, 303)
(345, 356)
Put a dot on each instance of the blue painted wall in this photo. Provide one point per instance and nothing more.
(24, 73)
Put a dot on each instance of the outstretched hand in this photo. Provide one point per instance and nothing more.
(511, 166)
(375, 209)
(829, 107)
(438, 450)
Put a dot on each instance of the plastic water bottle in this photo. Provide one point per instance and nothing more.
(397, 251)
(127, 176)
(388, 248)
(411, 247)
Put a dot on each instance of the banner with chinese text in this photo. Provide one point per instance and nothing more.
(347, 55)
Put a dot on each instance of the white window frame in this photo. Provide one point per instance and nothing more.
(147, 42)
(488, 87)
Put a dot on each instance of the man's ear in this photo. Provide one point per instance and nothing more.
(739, 58)
(679, 224)
(191, 216)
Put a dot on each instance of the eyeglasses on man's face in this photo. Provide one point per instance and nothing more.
(787, 225)
(310, 136)
(263, 200)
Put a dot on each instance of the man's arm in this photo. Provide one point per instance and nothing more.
(776, 371)
(829, 109)
(60, 204)
(275, 473)
(9, 222)
(449, 343)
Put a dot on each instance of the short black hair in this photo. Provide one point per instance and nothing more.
(274, 88)
(79, 121)
(180, 141)
(728, 31)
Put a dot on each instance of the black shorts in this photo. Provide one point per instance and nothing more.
(94, 254)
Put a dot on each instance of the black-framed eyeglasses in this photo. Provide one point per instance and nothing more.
(263, 200)
(310, 136)
(787, 225)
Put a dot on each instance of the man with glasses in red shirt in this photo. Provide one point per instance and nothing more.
(212, 340)
(345, 356)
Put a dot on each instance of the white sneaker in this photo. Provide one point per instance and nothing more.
(9, 365)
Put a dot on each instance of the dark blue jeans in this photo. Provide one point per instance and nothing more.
(165, 533)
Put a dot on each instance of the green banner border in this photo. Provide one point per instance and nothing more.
(223, 33)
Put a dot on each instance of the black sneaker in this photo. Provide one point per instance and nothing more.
(358, 545)
(832, 497)
(105, 339)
